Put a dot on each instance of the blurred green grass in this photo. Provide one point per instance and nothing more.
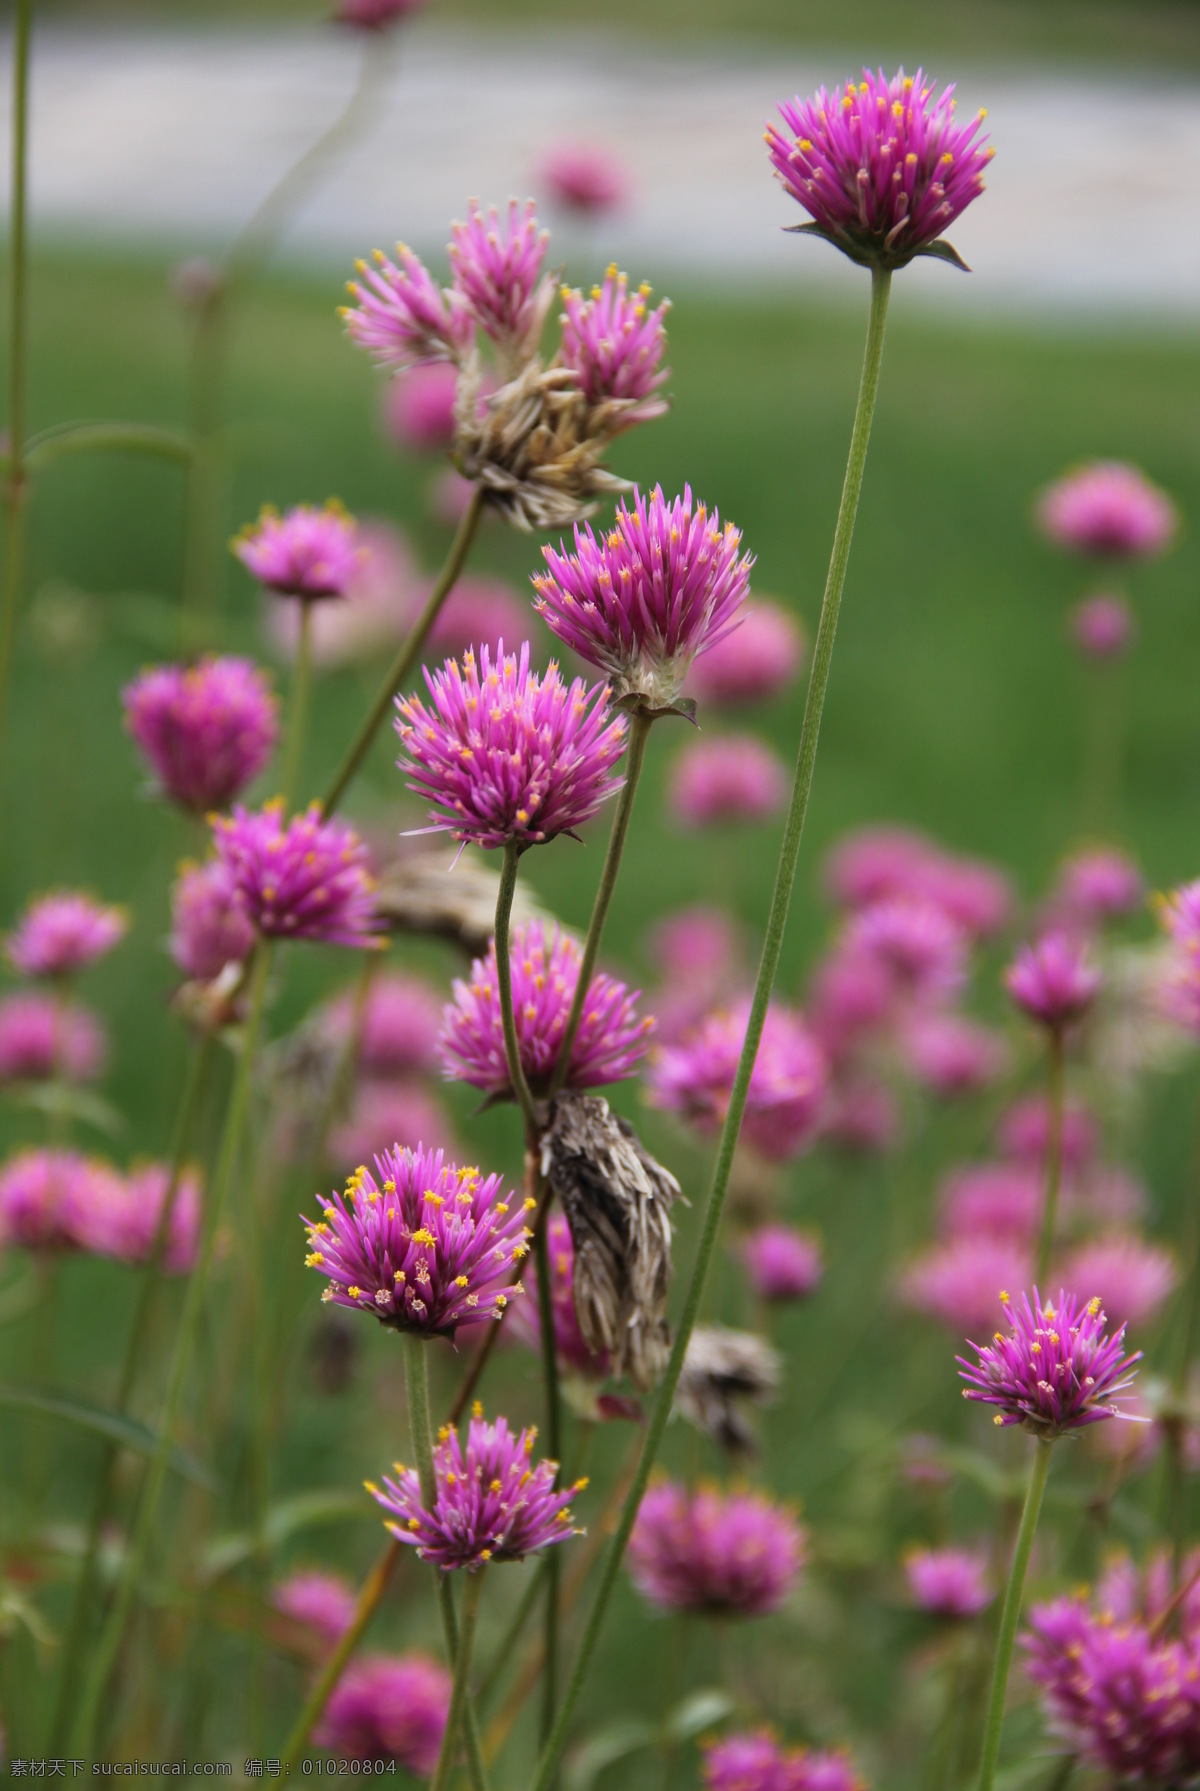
(955, 705)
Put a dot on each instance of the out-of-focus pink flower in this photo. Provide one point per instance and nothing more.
(205, 730)
(874, 864)
(960, 1283)
(379, 605)
(209, 926)
(397, 1029)
(1130, 1595)
(306, 553)
(1134, 1279)
(496, 267)
(951, 1055)
(44, 1194)
(760, 658)
(614, 345)
(1109, 509)
(323, 1602)
(450, 497)
(120, 1218)
(1104, 1194)
(418, 407)
(853, 997)
(61, 934)
(479, 612)
(42, 1037)
(1097, 886)
(388, 1707)
(374, 15)
(738, 1553)
(1024, 1132)
(300, 879)
(861, 1116)
(1052, 982)
(758, 1763)
(783, 1264)
(787, 1087)
(882, 168)
(583, 177)
(698, 955)
(384, 1115)
(573, 1352)
(734, 777)
(917, 943)
(1057, 1370)
(1103, 627)
(994, 1200)
(949, 1582)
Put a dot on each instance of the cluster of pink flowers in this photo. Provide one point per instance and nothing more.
(736, 1554)
(54, 1199)
(393, 1033)
(757, 1762)
(46, 1039)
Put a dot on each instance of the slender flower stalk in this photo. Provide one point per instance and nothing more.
(301, 692)
(16, 478)
(407, 655)
(512, 1049)
(112, 1635)
(1056, 1089)
(768, 964)
(1010, 1615)
(462, 1676)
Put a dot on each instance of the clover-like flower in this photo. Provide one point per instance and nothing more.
(209, 926)
(306, 878)
(737, 1554)
(63, 933)
(782, 1263)
(948, 1582)
(496, 266)
(43, 1037)
(401, 315)
(205, 730)
(423, 1245)
(491, 1503)
(388, 1707)
(504, 753)
(727, 778)
(306, 553)
(1108, 510)
(44, 1193)
(1058, 1369)
(614, 345)
(1052, 980)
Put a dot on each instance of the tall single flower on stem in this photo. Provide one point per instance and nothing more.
(306, 553)
(1107, 510)
(61, 934)
(735, 1554)
(205, 730)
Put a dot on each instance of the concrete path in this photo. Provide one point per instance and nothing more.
(1093, 203)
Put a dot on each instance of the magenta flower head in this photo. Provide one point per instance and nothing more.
(402, 317)
(583, 178)
(760, 658)
(43, 1194)
(63, 933)
(42, 1037)
(374, 15)
(948, 1582)
(387, 1110)
(303, 878)
(504, 753)
(388, 1707)
(882, 168)
(1109, 510)
(921, 947)
(731, 778)
(665, 584)
(573, 1353)
(322, 1602)
(758, 1763)
(787, 1088)
(425, 1246)
(491, 1505)
(960, 1284)
(732, 1554)
(119, 1217)
(1056, 1370)
(496, 267)
(1133, 1278)
(1098, 886)
(1103, 627)
(205, 730)
(995, 1200)
(1024, 1132)
(952, 1056)
(306, 553)
(783, 1264)
(398, 1028)
(209, 926)
(614, 346)
(479, 612)
(418, 407)
(1052, 980)
(609, 1045)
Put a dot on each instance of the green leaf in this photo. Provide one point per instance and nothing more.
(65, 1101)
(943, 251)
(118, 1427)
(118, 438)
(699, 1711)
(304, 1511)
(618, 1741)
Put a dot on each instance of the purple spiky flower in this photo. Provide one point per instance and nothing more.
(782, 1263)
(761, 657)
(43, 1038)
(496, 267)
(735, 1554)
(1097, 886)
(209, 926)
(63, 933)
(1057, 1370)
(663, 585)
(423, 1245)
(609, 1045)
(504, 753)
(1052, 980)
(321, 1601)
(491, 1505)
(44, 1192)
(1107, 509)
(402, 317)
(733, 777)
(882, 168)
(573, 1352)
(304, 878)
(205, 730)
(388, 1707)
(306, 553)
(948, 1582)
(614, 345)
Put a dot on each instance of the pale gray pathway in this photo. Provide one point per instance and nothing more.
(1093, 200)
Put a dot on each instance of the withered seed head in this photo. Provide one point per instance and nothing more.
(722, 1371)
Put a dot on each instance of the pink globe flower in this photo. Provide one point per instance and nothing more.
(418, 407)
(121, 1218)
(205, 730)
(861, 1117)
(735, 1554)
(760, 658)
(44, 1194)
(402, 317)
(948, 1582)
(1097, 886)
(377, 609)
(759, 1763)
(1107, 509)
(209, 926)
(732, 778)
(699, 959)
(300, 879)
(574, 1356)
(665, 584)
(993, 1200)
(388, 1707)
(960, 1284)
(1052, 982)
(610, 1042)
(490, 1504)
(876, 864)
(504, 753)
(922, 949)
(426, 1246)
(952, 1056)
(882, 168)
(1057, 1370)
(374, 15)
(787, 1087)
(614, 346)
(63, 933)
(854, 997)
(323, 1602)
(582, 177)
(783, 1264)
(43, 1038)
(1134, 1279)
(1130, 1595)
(1024, 1132)
(384, 1113)
(397, 1029)
(479, 612)
(1103, 627)
(306, 553)
(496, 267)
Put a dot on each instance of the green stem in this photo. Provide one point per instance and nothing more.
(462, 1675)
(189, 1107)
(1011, 1613)
(768, 964)
(639, 733)
(407, 655)
(512, 1049)
(554, 1445)
(1056, 1093)
(369, 1600)
(300, 696)
(16, 483)
(112, 1635)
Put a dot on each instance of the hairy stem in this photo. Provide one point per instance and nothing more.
(1056, 1092)
(300, 695)
(551, 1394)
(512, 1049)
(1010, 1615)
(768, 964)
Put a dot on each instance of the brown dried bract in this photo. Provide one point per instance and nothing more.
(448, 898)
(723, 1371)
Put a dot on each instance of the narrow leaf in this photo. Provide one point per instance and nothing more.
(116, 1426)
(701, 1710)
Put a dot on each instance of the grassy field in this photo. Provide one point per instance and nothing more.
(955, 706)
